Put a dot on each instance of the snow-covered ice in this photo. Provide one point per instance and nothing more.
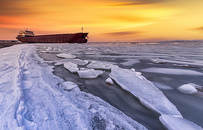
(144, 90)
(71, 67)
(177, 123)
(65, 55)
(89, 73)
(188, 89)
(34, 99)
(172, 71)
(101, 65)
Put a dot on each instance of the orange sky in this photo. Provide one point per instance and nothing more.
(105, 20)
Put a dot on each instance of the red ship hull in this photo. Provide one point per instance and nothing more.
(55, 38)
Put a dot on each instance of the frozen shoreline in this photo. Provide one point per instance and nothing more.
(32, 99)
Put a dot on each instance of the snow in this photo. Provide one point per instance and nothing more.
(64, 55)
(89, 73)
(31, 98)
(69, 85)
(177, 123)
(101, 65)
(188, 89)
(172, 71)
(109, 81)
(71, 67)
(144, 90)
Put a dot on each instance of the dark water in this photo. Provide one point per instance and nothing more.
(186, 56)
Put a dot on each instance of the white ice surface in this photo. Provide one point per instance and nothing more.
(71, 67)
(172, 71)
(101, 65)
(177, 123)
(65, 55)
(144, 90)
(34, 100)
(188, 88)
(89, 73)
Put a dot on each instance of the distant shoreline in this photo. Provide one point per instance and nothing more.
(8, 43)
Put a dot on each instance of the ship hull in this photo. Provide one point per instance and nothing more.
(56, 38)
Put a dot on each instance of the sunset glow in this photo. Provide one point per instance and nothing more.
(112, 20)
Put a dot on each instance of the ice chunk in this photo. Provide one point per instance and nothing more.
(132, 69)
(158, 61)
(89, 73)
(139, 75)
(144, 90)
(109, 81)
(188, 89)
(71, 67)
(69, 85)
(171, 71)
(75, 61)
(64, 55)
(177, 123)
(101, 65)
(130, 62)
(80, 62)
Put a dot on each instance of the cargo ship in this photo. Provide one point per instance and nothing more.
(27, 36)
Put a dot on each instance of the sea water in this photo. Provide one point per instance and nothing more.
(166, 65)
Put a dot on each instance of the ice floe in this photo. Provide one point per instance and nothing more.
(172, 71)
(130, 62)
(144, 90)
(75, 61)
(71, 67)
(178, 123)
(101, 65)
(89, 73)
(65, 55)
(109, 81)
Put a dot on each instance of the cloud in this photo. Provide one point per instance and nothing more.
(198, 28)
(123, 33)
(136, 2)
(17, 8)
(11, 8)
(129, 4)
(131, 19)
